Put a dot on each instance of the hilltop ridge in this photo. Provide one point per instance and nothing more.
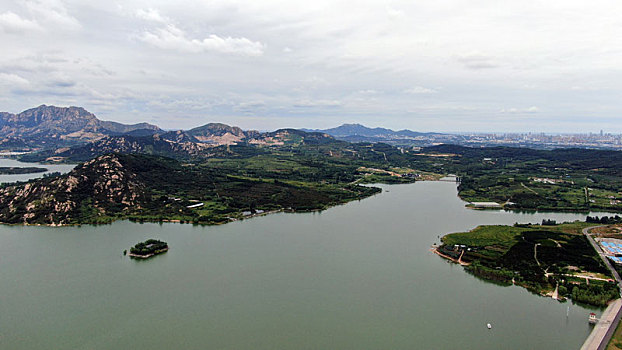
(213, 140)
(49, 126)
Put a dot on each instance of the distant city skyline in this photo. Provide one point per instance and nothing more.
(442, 66)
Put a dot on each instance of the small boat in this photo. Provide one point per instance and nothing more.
(489, 326)
(592, 319)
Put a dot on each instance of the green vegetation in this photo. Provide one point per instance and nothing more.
(148, 188)
(296, 171)
(502, 237)
(516, 178)
(148, 248)
(537, 257)
(561, 179)
(604, 220)
(616, 341)
(21, 170)
(207, 185)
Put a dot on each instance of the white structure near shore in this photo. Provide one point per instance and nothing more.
(196, 205)
(485, 204)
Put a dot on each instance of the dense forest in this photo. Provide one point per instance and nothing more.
(520, 178)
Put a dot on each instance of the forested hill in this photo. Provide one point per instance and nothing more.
(143, 187)
(522, 178)
(579, 155)
(575, 158)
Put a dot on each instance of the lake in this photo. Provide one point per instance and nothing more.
(356, 276)
(6, 162)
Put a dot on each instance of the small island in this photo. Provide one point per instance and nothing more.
(148, 248)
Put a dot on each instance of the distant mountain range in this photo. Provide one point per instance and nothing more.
(346, 130)
(183, 145)
(51, 127)
(361, 133)
(74, 134)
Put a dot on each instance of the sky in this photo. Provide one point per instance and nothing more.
(442, 65)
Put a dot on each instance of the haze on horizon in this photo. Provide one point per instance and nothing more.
(447, 65)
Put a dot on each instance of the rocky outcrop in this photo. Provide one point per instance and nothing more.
(219, 134)
(103, 185)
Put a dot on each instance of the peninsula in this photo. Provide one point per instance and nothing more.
(549, 259)
(150, 188)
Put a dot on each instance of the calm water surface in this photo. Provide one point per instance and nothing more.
(357, 276)
(6, 162)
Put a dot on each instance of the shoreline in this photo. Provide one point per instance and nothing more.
(543, 293)
(157, 252)
(447, 257)
(241, 232)
(286, 210)
(228, 220)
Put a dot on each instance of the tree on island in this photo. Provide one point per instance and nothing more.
(149, 247)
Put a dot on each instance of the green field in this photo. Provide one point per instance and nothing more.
(616, 341)
(482, 236)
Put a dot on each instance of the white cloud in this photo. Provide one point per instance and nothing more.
(60, 80)
(313, 55)
(306, 103)
(420, 90)
(185, 103)
(172, 38)
(476, 60)
(12, 23)
(394, 13)
(368, 92)
(53, 13)
(532, 109)
(9, 79)
(250, 106)
(151, 15)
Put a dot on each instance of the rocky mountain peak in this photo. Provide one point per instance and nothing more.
(42, 114)
(97, 185)
(51, 125)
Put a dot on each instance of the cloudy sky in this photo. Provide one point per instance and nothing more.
(442, 65)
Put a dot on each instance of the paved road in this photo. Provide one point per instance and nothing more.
(606, 326)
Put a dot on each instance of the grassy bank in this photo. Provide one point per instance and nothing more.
(536, 257)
